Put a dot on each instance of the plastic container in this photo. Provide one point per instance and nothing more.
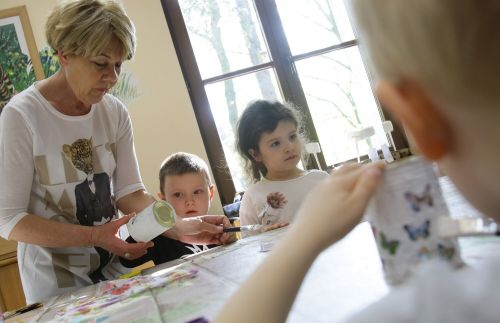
(403, 215)
(152, 221)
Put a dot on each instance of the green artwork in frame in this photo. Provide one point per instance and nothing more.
(20, 64)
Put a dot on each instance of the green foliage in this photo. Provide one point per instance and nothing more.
(16, 65)
(7, 90)
(50, 62)
(8, 39)
(126, 88)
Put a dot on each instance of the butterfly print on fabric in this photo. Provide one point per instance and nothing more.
(390, 246)
(416, 232)
(416, 201)
(424, 253)
(446, 252)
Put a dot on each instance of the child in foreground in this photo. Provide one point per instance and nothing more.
(438, 71)
(269, 141)
(184, 183)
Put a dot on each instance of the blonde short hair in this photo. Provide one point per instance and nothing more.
(450, 46)
(86, 27)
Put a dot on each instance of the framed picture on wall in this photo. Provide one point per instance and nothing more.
(20, 64)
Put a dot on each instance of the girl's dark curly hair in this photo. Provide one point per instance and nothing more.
(260, 117)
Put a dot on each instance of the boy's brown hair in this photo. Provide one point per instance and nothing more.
(183, 163)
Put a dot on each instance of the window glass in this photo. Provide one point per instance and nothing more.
(340, 100)
(314, 24)
(224, 34)
(314, 55)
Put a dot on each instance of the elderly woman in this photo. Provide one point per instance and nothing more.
(68, 164)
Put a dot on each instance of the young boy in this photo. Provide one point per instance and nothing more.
(185, 183)
(438, 67)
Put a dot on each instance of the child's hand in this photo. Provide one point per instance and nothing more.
(337, 204)
(276, 200)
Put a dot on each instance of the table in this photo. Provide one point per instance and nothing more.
(344, 279)
(11, 290)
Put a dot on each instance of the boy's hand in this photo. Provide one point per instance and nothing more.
(204, 229)
(337, 204)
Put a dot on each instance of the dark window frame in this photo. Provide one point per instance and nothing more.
(283, 62)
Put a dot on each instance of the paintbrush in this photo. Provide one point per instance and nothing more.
(20, 311)
(244, 228)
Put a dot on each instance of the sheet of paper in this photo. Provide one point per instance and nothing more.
(201, 296)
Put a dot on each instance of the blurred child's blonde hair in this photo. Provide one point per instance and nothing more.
(448, 46)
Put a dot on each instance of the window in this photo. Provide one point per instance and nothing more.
(301, 51)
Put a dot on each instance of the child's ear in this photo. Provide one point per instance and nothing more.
(255, 154)
(413, 106)
(161, 196)
(212, 192)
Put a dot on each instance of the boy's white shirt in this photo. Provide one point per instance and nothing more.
(439, 293)
(254, 208)
(46, 182)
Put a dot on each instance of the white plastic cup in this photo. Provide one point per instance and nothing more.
(152, 221)
(402, 215)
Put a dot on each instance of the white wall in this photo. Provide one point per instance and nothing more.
(162, 117)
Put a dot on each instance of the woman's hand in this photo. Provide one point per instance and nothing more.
(106, 237)
(336, 205)
(204, 229)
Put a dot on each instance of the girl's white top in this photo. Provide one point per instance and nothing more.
(254, 208)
